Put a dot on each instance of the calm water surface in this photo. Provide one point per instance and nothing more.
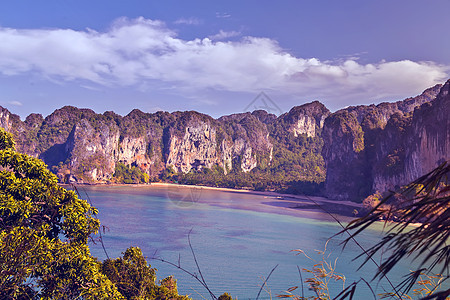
(237, 238)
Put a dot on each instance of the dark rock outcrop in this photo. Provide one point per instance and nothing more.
(419, 142)
(371, 148)
(344, 156)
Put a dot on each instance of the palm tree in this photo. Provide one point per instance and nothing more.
(425, 201)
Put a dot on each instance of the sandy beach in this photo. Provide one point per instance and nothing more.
(285, 202)
(266, 201)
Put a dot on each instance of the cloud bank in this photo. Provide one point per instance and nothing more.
(140, 51)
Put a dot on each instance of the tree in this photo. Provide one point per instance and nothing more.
(44, 234)
(425, 201)
(44, 230)
(136, 280)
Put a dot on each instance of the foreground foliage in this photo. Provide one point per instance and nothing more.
(44, 234)
(44, 230)
(425, 201)
(136, 280)
(322, 279)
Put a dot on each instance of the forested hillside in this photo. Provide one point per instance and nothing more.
(347, 154)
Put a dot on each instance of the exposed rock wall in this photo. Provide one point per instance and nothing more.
(4, 119)
(376, 148)
(431, 126)
(92, 152)
(196, 149)
(83, 146)
(306, 119)
(420, 142)
(363, 148)
(244, 138)
(134, 151)
(344, 156)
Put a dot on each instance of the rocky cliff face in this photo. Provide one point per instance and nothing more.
(134, 151)
(5, 121)
(92, 151)
(419, 142)
(375, 148)
(306, 119)
(344, 156)
(84, 147)
(430, 135)
(362, 149)
(244, 138)
(196, 149)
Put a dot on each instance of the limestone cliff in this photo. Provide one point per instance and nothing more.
(430, 135)
(195, 149)
(134, 151)
(413, 144)
(370, 148)
(82, 146)
(92, 150)
(356, 150)
(244, 138)
(5, 121)
(344, 156)
(306, 119)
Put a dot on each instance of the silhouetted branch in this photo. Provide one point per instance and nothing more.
(425, 201)
(301, 281)
(257, 296)
(371, 290)
(195, 258)
(200, 279)
(99, 231)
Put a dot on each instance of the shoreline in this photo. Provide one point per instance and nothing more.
(318, 199)
(283, 204)
(274, 202)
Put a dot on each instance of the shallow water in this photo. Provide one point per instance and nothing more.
(237, 238)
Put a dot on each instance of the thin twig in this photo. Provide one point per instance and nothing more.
(373, 293)
(301, 281)
(195, 258)
(90, 202)
(198, 293)
(266, 288)
(198, 267)
(265, 282)
(178, 266)
(187, 272)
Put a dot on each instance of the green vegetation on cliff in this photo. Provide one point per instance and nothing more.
(349, 154)
(296, 167)
(130, 174)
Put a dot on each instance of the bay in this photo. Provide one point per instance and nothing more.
(238, 238)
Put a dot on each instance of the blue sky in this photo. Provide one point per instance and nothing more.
(216, 57)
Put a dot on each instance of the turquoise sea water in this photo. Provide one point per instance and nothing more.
(238, 238)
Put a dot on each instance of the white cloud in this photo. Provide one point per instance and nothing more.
(222, 15)
(15, 103)
(223, 35)
(188, 21)
(143, 52)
